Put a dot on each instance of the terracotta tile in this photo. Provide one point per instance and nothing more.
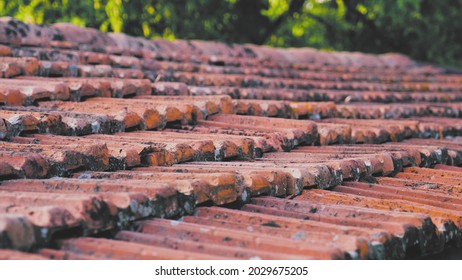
(423, 232)
(439, 171)
(47, 53)
(23, 164)
(120, 250)
(259, 180)
(352, 162)
(16, 232)
(153, 115)
(386, 159)
(331, 220)
(155, 151)
(220, 188)
(91, 210)
(208, 105)
(301, 177)
(125, 62)
(313, 110)
(5, 51)
(269, 225)
(121, 207)
(255, 142)
(170, 89)
(321, 175)
(431, 152)
(383, 130)
(213, 79)
(136, 198)
(88, 57)
(422, 204)
(26, 34)
(121, 155)
(69, 123)
(127, 44)
(127, 73)
(129, 119)
(120, 88)
(438, 127)
(199, 247)
(185, 147)
(265, 108)
(334, 133)
(64, 255)
(7, 171)
(57, 69)
(57, 160)
(64, 45)
(16, 255)
(79, 88)
(226, 146)
(28, 92)
(20, 66)
(296, 132)
(170, 112)
(10, 69)
(31, 120)
(414, 182)
(241, 239)
(448, 168)
(85, 37)
(22, 123)
(47, 220)
(428, 179)
(422, 222)
(445, 221)
(6, 129)
(418, 196)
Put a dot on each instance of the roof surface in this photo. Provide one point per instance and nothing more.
(115, 147)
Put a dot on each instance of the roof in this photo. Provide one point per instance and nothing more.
(115, 147)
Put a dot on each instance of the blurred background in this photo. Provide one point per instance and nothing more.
(426, 30)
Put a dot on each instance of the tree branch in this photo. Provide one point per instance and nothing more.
(294, 7)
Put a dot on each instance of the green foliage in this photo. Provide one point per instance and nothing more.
(426, 30)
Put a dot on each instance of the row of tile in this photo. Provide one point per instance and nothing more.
(54, 62)
(221, 137)
(338, 96)
(327, 73)
(29, 90)
(107, 115)
(68, 36)
(33, 90)
(386, 219)
(51, 62)
(252, 81)
(96, 201)
(322, 110)
(410, 215)
(433, 193)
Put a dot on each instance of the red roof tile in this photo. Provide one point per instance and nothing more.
(137, 138)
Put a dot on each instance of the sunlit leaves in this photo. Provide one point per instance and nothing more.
(427, 30)
(114, 11)
(276, 8)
